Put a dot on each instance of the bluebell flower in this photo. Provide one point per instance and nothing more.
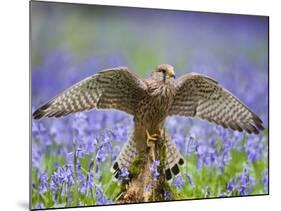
(40, 206)
(154, 170)
(83, 187)
(124, 174)
(44, 185)
(221, 132)
(167, 194)
(246, 183)
(102, 154)
(231, 185)
(54, 183)
(91, 145)
(254, 148)
(65, 174)
(178, 182)
(243, 191)
(148, 187)
(101, 198)
(78, 152)
(190, 180)
(104, 148)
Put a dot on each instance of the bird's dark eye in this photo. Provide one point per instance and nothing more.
(162, 70)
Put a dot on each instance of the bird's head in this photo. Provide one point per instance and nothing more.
(165, 71)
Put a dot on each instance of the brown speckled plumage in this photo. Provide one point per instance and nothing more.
(150, 101)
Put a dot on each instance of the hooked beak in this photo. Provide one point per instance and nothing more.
(171, 74)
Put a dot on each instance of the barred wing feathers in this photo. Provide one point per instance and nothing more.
(200, 96)
(115, 88)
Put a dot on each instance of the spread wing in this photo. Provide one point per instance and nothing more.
(200, 96)
(116, 88)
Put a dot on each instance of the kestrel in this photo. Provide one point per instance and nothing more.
(151, 101)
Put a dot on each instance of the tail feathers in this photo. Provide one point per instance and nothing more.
(129, 152)
(125, 158)
(173, 161)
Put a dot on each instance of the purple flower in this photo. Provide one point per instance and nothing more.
(153, 169)
(54, 183)
(124, 174)
(65, 175)
(90, 146)
(79, 153)
(148, 187)
(255, 148)
(86, 183)
(101, 198)
(84, 187)
(178, 182)
(190, 180)
(105, 146)
(244, 183)
(167, 194)
(231, 185)
(221, 132)
(56, 164)
(44, 185)
(102, 153)
(40, 206)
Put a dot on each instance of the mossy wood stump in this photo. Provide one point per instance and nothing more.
(143, 186)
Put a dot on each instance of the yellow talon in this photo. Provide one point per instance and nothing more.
(150, 137)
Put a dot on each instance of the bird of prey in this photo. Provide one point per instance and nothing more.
(150, 102)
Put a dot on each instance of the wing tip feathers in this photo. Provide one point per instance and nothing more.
(41, 112)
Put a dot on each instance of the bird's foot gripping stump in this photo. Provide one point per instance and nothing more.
(147, 172)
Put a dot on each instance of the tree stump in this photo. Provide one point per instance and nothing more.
(143, 186)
